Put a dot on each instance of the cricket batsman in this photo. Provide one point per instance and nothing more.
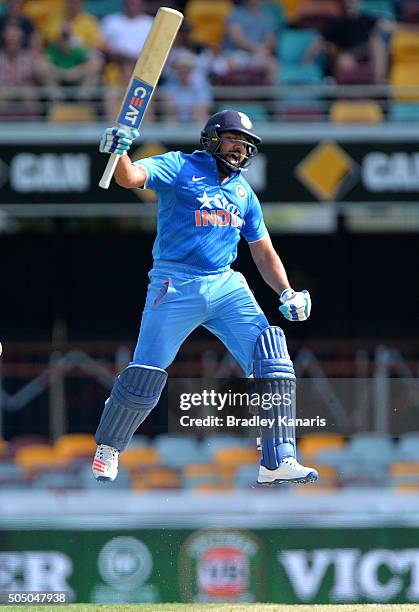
(204, 205)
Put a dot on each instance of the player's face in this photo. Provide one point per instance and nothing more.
(234, 147)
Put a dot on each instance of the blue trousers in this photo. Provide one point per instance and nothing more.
(180, 298)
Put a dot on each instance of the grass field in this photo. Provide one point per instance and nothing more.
(175, 607)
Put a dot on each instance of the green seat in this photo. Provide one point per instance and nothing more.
(383, 9)
(290, 74)
(404, 111)
(101, 8)
(293, 44)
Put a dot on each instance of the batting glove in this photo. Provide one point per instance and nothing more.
(296, 305)
(116, 140)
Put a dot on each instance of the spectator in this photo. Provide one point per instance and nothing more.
(84, 27)
(186, 93)
(21, 68)
(13, 17)
(250, 40)
(125, 33)
(70, 64)
(357, 40)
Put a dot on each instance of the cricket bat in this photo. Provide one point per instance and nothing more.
(145, 77)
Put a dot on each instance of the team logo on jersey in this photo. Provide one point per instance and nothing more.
(217, 211)
(241, 192)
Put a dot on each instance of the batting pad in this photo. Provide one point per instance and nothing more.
(134, 395)
(275, 378)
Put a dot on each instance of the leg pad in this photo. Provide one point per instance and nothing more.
(274, 369)
(135, 393)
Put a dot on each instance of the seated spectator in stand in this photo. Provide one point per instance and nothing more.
(13, 17)
(70, 64)
(186, 93)
(21, 68)
(125, 35)
(84, 27)
(357, 40)
(250, 40)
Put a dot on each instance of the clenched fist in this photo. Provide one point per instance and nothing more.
(296, 305)
(116, 140)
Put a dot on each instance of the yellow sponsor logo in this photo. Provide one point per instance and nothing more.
(327, 171)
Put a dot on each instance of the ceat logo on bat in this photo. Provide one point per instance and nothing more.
(217, 211)
(135, 103)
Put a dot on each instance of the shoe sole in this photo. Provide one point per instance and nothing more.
(278, 481)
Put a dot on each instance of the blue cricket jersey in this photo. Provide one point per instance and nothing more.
(199, 218)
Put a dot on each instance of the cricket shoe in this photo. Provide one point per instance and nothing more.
(289, 470)
(105, 463)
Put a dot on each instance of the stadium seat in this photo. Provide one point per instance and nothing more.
(404, 46)
(177, 452)
(404, 470)
(404, 79)
(300, 110)
(34, 457)
(334, 458)
(211, 444)
(237, 455)
(317, 14)
(366, 111)
(138, 456)
(256, 112)
(139, 440)
(208, 18)
(382, 9)
(312, 444)
(290, 8)
(157, 478)
(404, 111)
(407, 487)
(214, 487)
(372, 449)
(360, 473)
(10, 469)
(42, 11)
(77, 445)
(101, 8)
(305, 74)
(276, 15)
(408, 447)
(71, 113)
(360, 74)
(57, 480)
(294, 44)
(409, 12)
(246, 476)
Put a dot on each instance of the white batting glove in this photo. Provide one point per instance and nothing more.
(117, 140)
(296, 305)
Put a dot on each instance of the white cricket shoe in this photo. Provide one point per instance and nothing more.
(289, 470)
(105, 463)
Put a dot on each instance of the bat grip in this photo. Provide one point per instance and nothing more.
(107, 175)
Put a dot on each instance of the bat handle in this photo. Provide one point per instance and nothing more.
(107, 175)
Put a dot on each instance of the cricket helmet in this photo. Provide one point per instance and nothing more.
(229, 121)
